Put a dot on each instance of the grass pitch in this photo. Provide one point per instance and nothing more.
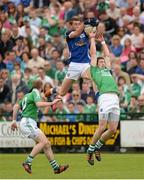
(112, 166)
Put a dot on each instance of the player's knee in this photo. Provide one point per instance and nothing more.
(112, 130)
(47, 144)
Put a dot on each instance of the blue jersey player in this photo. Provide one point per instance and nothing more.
(79, 59)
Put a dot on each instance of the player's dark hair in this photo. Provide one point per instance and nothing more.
(74, 18)
(98, 58)
(37, 84)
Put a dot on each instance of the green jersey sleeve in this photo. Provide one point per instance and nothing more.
(20, 103)
(36, 96)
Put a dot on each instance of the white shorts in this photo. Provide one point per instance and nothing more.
(29, 128)
(108, 105)
(75, 70)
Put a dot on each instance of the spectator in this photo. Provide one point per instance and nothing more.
(116, 48)
(25, 60)
(35, 20)
(140, 68)
(4, 74)
(20, 47)
(71, 116)
(42, 47)
(76, 86)
(4, 92)
(135, 86)
(110, 24)
(58, 42)
(90, 107)
(141, 104)
(125, 89)
(69, 11)
(113, 12)
(49, 70)
(17, 69)
(133, 106)
(132, 65)
(18, 85)
(86, 91)
(36, 60)
(50, 21)
(8, 108)
(126, 50)
(4, 20)
(61, 112)
(119, 73)
(10, 59)
(81, 116)
(60, 73)
(5, 43)
(55, 57)
(2, 116)
(43, 77)
(137, 38)
(76, 98)
(2, 64)
(15, 33)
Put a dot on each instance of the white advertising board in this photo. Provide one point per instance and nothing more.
(132, 133)
(10, 139)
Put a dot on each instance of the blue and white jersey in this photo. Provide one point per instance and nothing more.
(78, 48)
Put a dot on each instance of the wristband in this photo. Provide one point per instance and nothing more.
(103, 42)
(13, 121)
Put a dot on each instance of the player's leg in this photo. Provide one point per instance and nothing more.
(95, 139)
(112, 127)
(86, 72)
(113, 120)
(73, 74)
(50, 156)
(66, 84)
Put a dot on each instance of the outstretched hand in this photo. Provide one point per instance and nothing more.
(14, 126)
(99, 37)
(58, 98)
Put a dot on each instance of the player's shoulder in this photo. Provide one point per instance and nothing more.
(35, 92)
(68, 33)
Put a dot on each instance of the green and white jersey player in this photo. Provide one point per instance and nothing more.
(28, 126)
(108, 102)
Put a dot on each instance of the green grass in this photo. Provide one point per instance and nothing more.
(112, 166)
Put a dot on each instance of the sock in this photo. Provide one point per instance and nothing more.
(91, 148)
(29, 160)
(99, 144)
(54, 164)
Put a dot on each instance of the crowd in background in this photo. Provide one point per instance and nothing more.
(33, 46)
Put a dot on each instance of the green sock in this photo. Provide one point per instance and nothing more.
(91, 148)
(29, 159)
(54, 164)
(99, 144)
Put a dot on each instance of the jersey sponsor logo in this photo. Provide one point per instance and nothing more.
(80, 43)
(105, 73)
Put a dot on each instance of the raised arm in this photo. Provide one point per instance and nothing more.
(77, 32)
(45, 104)
(106, 52)
(93, 49)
